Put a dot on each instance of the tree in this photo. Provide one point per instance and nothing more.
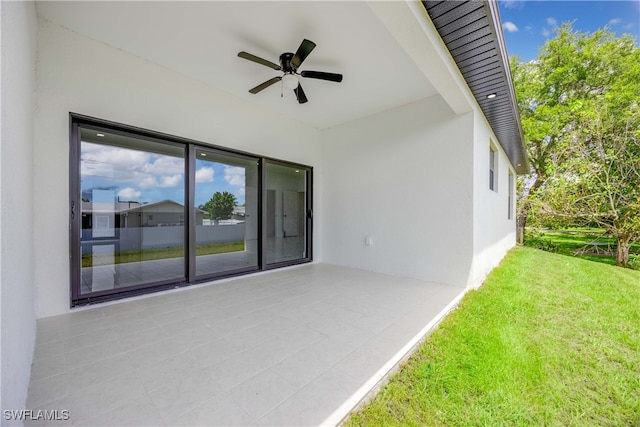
(572, 71)
(220, 206)
(602, 184)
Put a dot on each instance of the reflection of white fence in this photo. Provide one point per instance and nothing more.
(136, 238)
(222, 222)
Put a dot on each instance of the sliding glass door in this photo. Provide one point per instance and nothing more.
(132, 212)
(225, 203)
(287, 213)
(150, 211)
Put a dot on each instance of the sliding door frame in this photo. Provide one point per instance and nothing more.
(192, 236)
(79, 121)
(308, 214)
(75, 213)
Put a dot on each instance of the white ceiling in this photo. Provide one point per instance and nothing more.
(201, 40)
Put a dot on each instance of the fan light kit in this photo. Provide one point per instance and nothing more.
(289, 64)
(290, 81)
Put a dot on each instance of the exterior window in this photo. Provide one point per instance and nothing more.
(492, 169)
(511, 196)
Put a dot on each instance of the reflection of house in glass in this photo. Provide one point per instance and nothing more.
(164, 213)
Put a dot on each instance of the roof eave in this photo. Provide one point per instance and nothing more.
(461, 25)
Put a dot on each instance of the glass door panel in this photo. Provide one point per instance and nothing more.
(286, 213)
(132, 205)
(226, 213)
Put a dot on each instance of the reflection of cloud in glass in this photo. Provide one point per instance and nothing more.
(129, 194)
(141, 169)
(148, 182)
(100, 160)
(165, 165)
(204, 174)
(234, 175)
(171, 181)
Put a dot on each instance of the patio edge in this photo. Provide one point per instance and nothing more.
(373, 385)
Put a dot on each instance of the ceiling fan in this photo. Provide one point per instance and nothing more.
(289, 64)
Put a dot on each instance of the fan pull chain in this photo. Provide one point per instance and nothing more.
(281, 88)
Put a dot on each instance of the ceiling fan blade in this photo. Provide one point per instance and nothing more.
(303, 51)
(259, 60)
(302, 98)
(322, 76)
(265, 85)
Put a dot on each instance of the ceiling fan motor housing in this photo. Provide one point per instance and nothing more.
(285, 63)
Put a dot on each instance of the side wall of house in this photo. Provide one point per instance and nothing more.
(403, 178)
(17, 312)
(494, 233)
(77, 74)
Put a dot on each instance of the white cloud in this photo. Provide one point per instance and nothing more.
(165, 165)
(170, 181)
(204, 174)
(105, 161)
(136, 168)
(128, 194)
(546, 32)
(615, 21)
(148, 182)
(552, 21)
(512, 4)
(510, 26)
(528, 28)
(234, 175)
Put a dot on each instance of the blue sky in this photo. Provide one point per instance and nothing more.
(527, 24)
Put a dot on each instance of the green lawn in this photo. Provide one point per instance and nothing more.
(569, 241)
(164, 253)
(547, 340)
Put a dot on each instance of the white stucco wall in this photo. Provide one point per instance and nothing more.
(76, 74)
(493, 232)
(403, 177)
(17, 202)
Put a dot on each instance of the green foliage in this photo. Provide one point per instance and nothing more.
(221, 205)
(548, 340)
(579, 104)
(538, 240)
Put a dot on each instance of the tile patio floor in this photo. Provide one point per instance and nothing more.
(299, 346)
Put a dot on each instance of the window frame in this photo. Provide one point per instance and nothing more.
(511, 196)
(493, 167)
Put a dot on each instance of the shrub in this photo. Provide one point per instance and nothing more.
(537, 240)
(634, 262)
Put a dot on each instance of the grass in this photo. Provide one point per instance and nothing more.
(567, 242)
(164, 253)
(547, 340)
